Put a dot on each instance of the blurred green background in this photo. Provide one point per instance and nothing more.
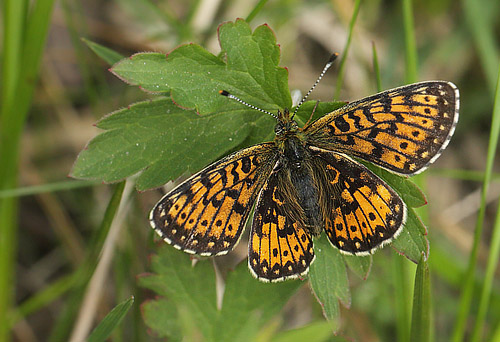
(45, 239)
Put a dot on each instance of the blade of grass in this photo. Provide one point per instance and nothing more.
(401, 272)
(468, 284)
(44, 188)
(94, 290)
(37, 26)
(495, 239)
(124, 283)
(405, 269)
(468, 175)
(340, 77)
(42, 298)
(376, 68)
(109, 56)
(13, 12)
(496, 334)
(421, 313)
(76, 29)
(483, 35)
(484, 301)
(24, 38)
(111, 321)
(61, 330)
(130, 262)
(13, 19)
(256, 10)
(410, 43)
(191, 13)
(401, 294)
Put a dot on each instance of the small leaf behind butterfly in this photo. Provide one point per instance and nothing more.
(328, 279)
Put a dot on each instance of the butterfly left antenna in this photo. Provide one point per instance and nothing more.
(325, 69)
(231, 96)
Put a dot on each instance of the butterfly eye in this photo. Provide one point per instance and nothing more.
(278, 129)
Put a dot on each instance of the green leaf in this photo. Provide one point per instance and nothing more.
(193, 76)
(108, 55)
(412, 242)
(162, 140)
(192, 288)
(111, 321)
(421, 313)
(328, 279)
(314, 332)
(189, 295)
(244, 295)
(159, 138)
(161, 316)
(360, 265)
(257, 54)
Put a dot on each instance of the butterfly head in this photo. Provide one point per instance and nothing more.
(285, 124)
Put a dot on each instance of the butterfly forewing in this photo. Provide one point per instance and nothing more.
(207, 213)
(361, 211)
(279, 246)
(403, 129)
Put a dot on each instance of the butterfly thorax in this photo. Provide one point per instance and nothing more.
(290, 141)
(295, 171)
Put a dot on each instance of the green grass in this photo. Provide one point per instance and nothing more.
(343, 56)
(486, 52)
(46, 115)
(24, 35)
(477, 333)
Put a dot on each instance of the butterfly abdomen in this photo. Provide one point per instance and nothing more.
(296, 158)
(308, 199)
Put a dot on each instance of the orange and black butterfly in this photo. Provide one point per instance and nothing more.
(308, 180)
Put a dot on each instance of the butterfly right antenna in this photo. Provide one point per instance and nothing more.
(325, 69)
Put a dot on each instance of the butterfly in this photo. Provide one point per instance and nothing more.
(309, 180)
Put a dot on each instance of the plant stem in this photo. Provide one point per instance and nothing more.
(340, 77)
(13, 30)
(468, 287)
(495, 239)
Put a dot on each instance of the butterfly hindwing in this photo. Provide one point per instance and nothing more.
(362, 213)
(206, 214)
(403, 129)
(280, 247)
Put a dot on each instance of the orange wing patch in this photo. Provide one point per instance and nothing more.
(362, 213)
(280, 248)
(207, 213)
(403, 129)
